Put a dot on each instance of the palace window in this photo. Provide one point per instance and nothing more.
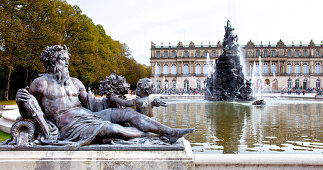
(318, 68)
(257, 69)
(265, 53)
(205, 53)
(273, 53)
(296, 68)
(213, 53)
(305, 84)
(198, 69)
(317, 53)
(198, 84)
(158, 54)
(289, 83)
(296, 53)
(198, 54)
(186, 85)
(166, 84)
(273, 68)
(185, 54)
(174, 54)
(165, 54)
(318, 84)
(185, 68)
(289, 69)
(266, 68)
(173, 69)
(165, 68)
(305, 69)
(174, 84)
(289, 53)
(305, 53)
(297, 83)
(257, 53)
(205, 69)
(158, 69)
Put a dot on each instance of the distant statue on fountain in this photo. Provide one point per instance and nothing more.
(227, 83)
(57, 110)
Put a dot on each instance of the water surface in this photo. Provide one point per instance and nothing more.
(282, 126)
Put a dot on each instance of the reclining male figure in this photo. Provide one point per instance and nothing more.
(63, 100)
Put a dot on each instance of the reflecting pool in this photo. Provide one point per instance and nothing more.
(282, 126)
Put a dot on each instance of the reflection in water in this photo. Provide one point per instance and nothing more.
(222, 127)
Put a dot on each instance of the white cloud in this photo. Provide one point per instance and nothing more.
(137, 22)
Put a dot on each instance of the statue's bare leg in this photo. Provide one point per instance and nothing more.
(117, 131)
(142, 122)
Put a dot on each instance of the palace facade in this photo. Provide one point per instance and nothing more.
(271, 67)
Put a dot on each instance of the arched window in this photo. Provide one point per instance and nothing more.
(318, 84)
(275, 84)
(186, 54)
(158, 85)
(296, 53)
(205, 69)
(289, 69)
(318, 68)
(165, 68)
(198, 69)
(266, 68)
(198, 54)
(157, 69)
(205, 53)
(174, 54)
(273, 53)
(166, 84)
(297, 83)
(173, 69)
(289, 83)
(296, 68)
(273, 68)
(265, 53)
(305, 84)
(173, 84)
(166, 54)
(198, 84)
(185, 68)
(186, 85)
(305, 69)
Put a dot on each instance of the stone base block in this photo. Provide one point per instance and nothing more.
(98, 159)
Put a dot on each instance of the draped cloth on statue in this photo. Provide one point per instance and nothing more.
(82, 129)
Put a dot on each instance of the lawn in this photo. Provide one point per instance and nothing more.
(4, 136)
(7, 102)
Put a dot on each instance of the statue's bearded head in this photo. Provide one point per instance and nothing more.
(55, 60)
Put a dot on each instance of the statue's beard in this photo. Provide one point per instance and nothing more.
(62, 75)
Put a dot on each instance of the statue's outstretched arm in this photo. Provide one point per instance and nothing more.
(122, 102)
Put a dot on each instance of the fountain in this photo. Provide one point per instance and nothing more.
(227, 83)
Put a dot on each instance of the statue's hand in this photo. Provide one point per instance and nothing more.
(22, 95)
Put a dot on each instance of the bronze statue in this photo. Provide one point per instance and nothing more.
(112, 88)
(68, 114)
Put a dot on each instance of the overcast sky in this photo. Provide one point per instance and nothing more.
(138, 22)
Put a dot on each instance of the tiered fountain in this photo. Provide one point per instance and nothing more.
(227, 82)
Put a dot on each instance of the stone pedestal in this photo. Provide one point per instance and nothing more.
(179, 159)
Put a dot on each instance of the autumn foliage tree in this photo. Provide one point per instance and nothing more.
(28, 26)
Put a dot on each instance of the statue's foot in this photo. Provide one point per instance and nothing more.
(175, 134)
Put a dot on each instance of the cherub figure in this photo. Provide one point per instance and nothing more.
(115, 95)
